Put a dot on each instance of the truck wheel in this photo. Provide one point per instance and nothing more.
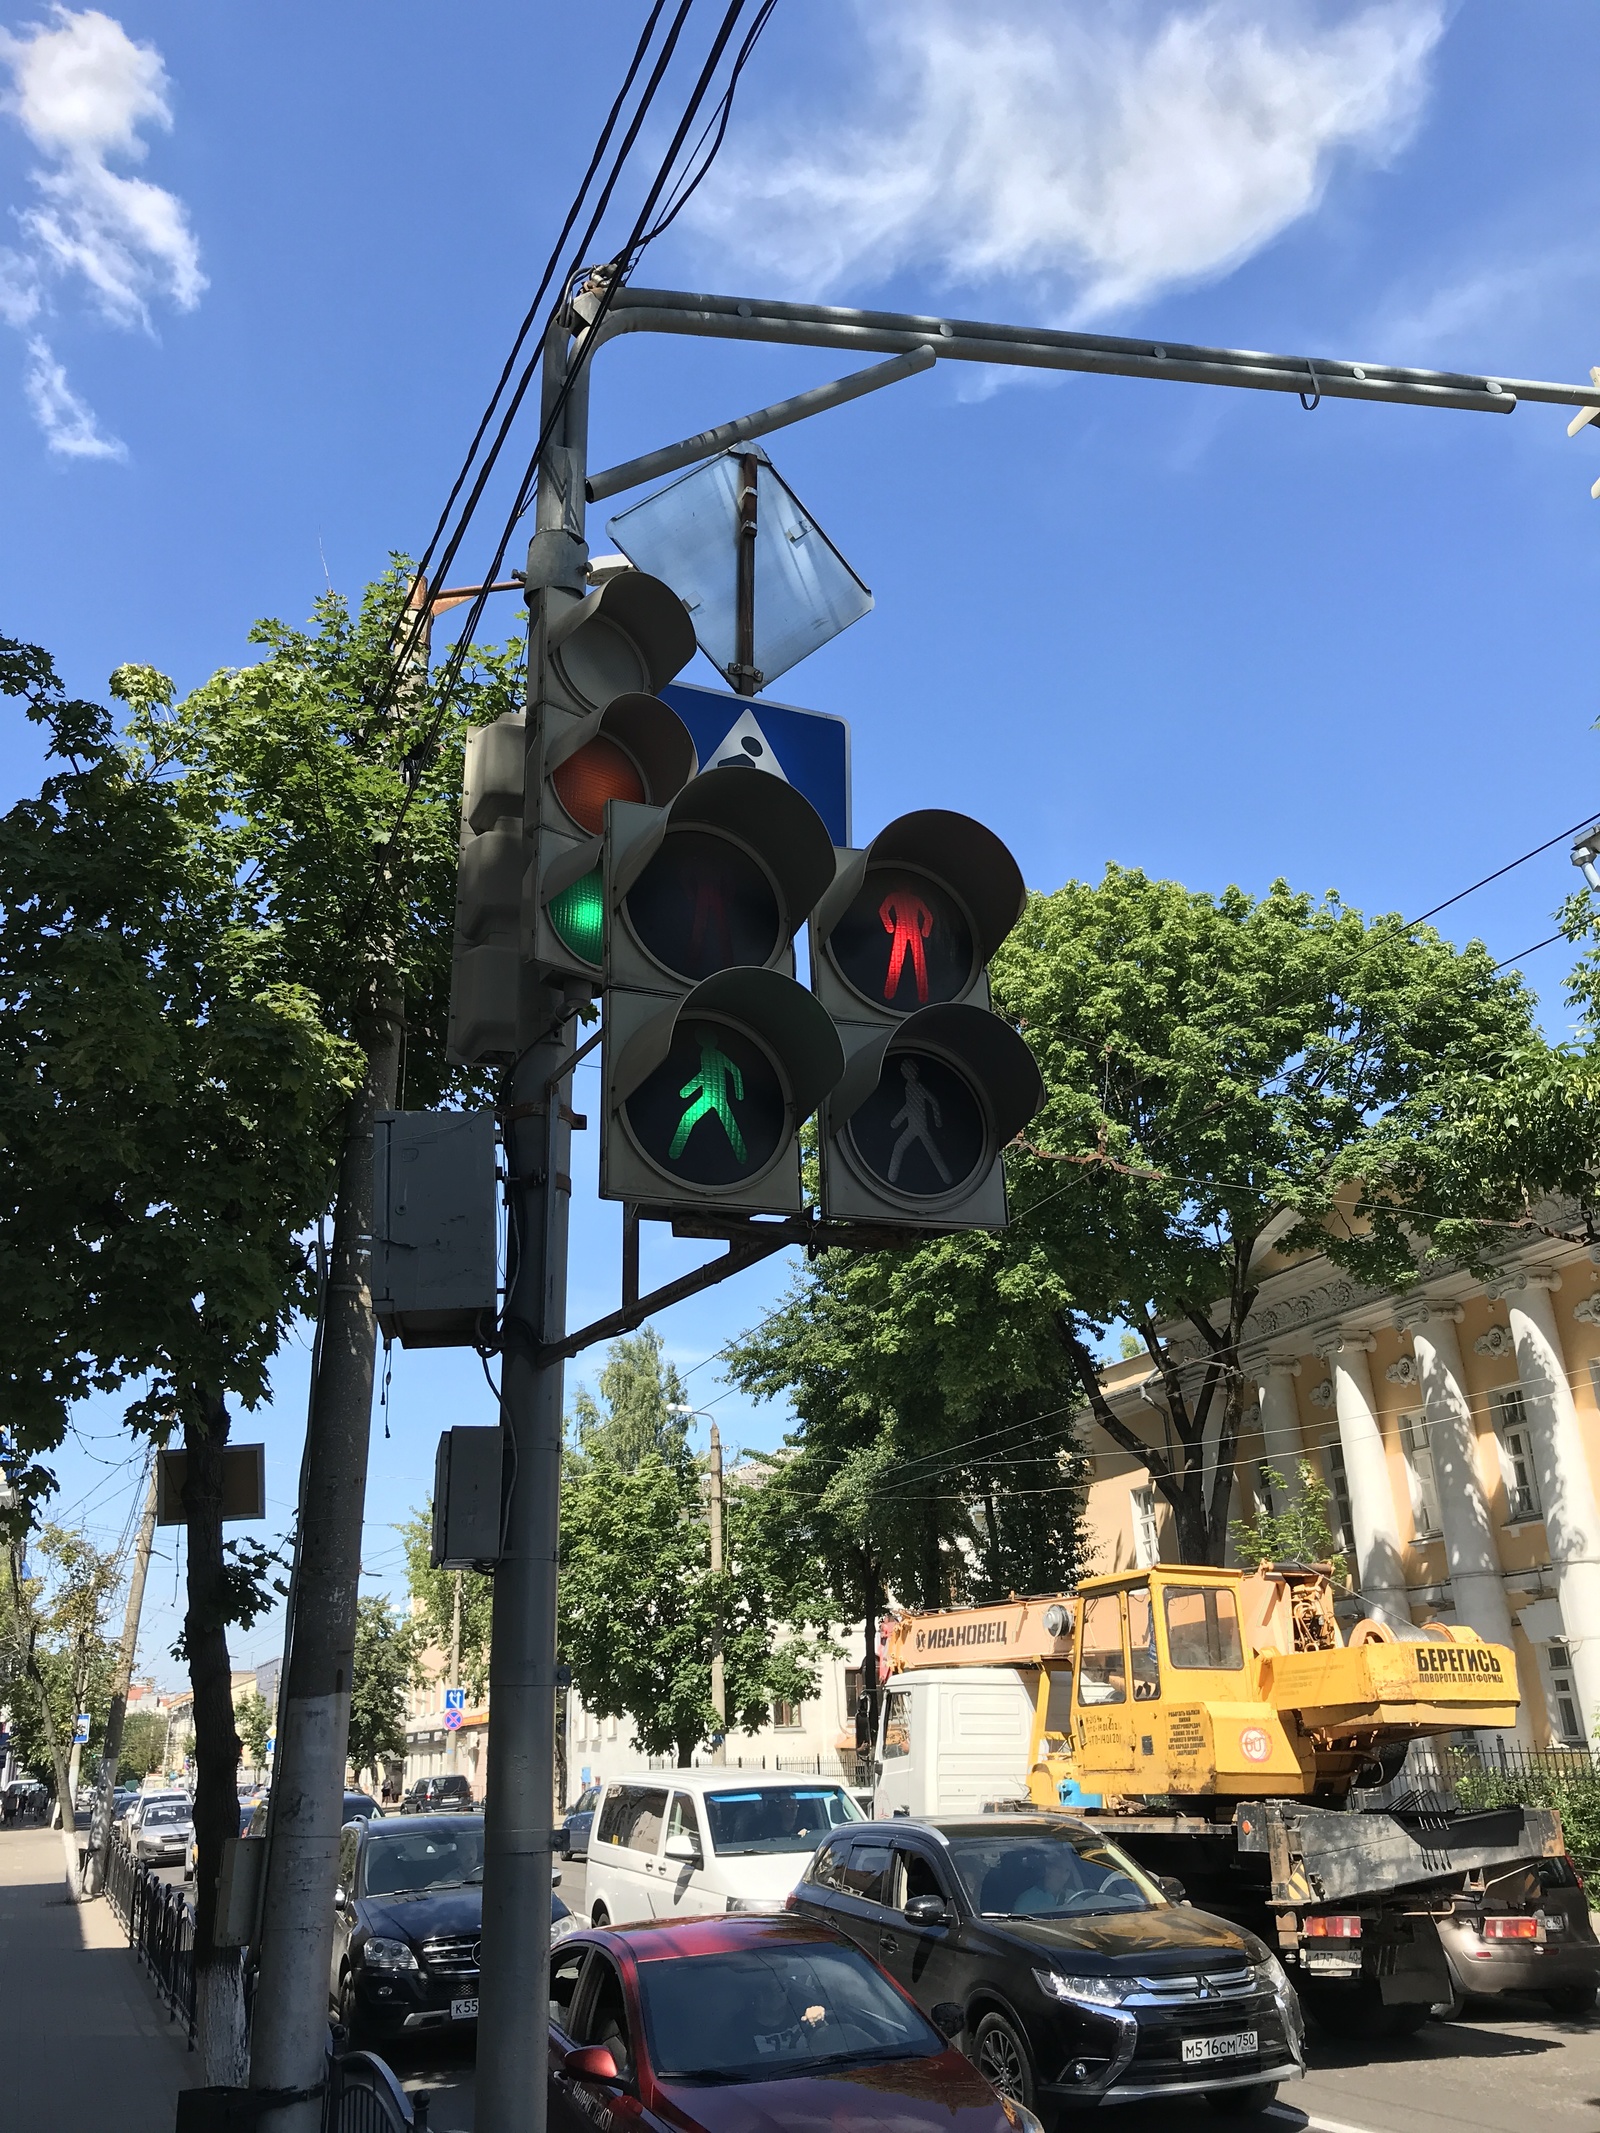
(1244, 2103)
(1572, 2002)
(602, 1917)
(1405, 2020)
(1003, 2059)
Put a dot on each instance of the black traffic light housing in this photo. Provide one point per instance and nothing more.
(934, 1084)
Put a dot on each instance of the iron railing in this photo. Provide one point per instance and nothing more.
(159, 1922)
(363, 2096)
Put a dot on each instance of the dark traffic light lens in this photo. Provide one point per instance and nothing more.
(921, 1131)
(703, 905)
(904, 942)
(713, 1113)
(578, 916)
(598, 772)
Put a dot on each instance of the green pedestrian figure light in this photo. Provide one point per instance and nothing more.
(709, 1089)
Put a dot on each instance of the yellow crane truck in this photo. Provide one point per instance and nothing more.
(1222, 1719)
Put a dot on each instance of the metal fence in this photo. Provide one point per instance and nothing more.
(1438, 1774)
(363, 2096)
(159, 1921)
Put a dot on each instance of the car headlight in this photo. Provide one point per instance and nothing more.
(1270, 1973)
(1083, 1991)
(754, 1903)
(388, 1955)
(1018, 2115)
(561, 1927)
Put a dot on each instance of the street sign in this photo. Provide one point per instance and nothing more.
(272, 1742)
(452, 1719)
(455, 1699)
(80, 1732)
(810, 750)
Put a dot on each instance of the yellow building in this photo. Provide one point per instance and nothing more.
(1457, 1427)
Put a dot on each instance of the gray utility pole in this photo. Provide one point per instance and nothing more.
(455, 1663)
(290, 2023)
(719, 1686)
(513, 2034)
(99, 1854)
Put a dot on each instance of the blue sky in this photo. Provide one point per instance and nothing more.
(260, 265)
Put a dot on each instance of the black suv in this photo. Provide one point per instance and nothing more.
(408, 1913)
(439, 1795)
(1077, 1975)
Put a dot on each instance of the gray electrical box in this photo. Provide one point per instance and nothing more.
(433, 1227)
(239, 1892)
(466, 1499)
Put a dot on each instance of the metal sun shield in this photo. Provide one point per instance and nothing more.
(688, 535)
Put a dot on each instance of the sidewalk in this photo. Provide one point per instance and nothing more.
(84, 2042)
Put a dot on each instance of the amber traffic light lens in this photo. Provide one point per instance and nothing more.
(599, 771)
(921, 1132)
(904, 942)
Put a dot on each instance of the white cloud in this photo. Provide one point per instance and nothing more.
(1101, 152)
(81, 91)
(68, 423)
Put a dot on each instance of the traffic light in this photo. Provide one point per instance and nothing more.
(935, 1084)
(528, 886)
(714, 1055)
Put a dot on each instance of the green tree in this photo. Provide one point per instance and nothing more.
(384, 1649)
(252, 1715)
(640, 1608)
(432, 1597)
(144, 1746)
(1302, 1532)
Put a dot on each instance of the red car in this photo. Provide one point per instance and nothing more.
(751, 2025)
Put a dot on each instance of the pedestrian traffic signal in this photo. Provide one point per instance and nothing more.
(714, 1055)
(934, 1084)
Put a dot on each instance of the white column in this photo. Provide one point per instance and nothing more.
(1380, 1572)
(1469, 1543)
(1566, 1490)
(1283, 1446)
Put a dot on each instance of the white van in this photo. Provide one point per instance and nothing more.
(952, 1739)
(689, 1842)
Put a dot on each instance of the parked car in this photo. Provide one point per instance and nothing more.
(1078, 1978)
(451, 1794)
(161, 1832)
(247, 1825)
(717, 2025)
(572, 1837)
(408, 1912)
(1530, 1931)
(710, 1840)
(142, 1800)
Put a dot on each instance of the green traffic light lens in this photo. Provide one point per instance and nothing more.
(578, 916)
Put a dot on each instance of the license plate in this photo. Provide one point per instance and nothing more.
(1331, 1962)
(464, 2010)
(1243, 2044)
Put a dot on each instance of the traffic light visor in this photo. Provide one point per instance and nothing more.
(631, 635)
(637, 748)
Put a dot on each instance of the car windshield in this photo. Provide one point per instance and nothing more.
(157, 1817)
(1049, 1874)
(759, 2014)
(778, 1818)
(413, 1860)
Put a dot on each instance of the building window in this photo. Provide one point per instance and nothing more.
(1516, 1455)
(1339, 1482)
(1561, 1693)
(855, 1681)
(786, 1717)
(1146, 1533)
(1420, 1475)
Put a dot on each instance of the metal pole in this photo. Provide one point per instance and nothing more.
(514, 1992)
(99, 1853)
(744, 674)
(455, 1664)
(719, 1689)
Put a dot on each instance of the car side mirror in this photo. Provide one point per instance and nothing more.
(555, 1881)
(927, 1911)
(1171, 1887)
(592, 2062)
(681, 1848)
(949, 2016)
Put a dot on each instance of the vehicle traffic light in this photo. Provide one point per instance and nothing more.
(935, 1084)
(714, 1055)
(528, 887)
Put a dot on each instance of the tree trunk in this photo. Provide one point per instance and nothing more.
(96, 1864)
(307, 1807)
(218, 1983)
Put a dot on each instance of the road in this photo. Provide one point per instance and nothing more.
(1507, 2068)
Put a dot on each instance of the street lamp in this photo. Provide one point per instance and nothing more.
(719, 1689)
(1584, 854)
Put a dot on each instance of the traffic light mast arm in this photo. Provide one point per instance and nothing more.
(1042, 348)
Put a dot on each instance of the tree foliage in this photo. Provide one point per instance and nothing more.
(1302, 1532)
(144, 1746)
(384, 1646)
(252, 1714)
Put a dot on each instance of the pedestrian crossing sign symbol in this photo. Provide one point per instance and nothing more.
(455, 1699)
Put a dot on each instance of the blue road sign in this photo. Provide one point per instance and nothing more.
(455, 1699)
(80, 1732)
(811, 749)
(452, 1719)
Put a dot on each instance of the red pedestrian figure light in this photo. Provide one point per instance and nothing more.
(908, 922)
(710, 936)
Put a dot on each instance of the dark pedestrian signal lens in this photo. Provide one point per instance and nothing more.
(598, 772)
(904, 942)
(704, 905)
(921, 1131)
(713, 1113)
